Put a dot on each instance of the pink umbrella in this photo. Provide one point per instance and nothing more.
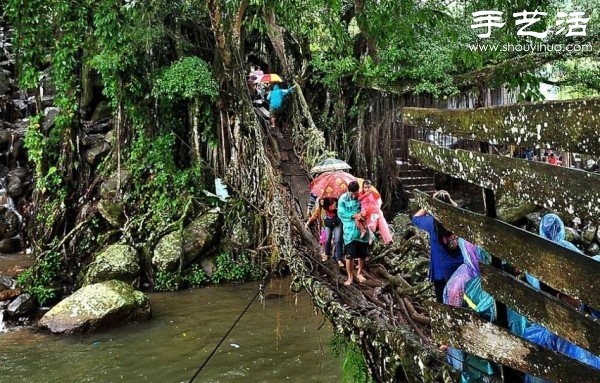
(331, 185)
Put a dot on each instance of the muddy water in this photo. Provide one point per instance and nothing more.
(281, 340)
(14, 264)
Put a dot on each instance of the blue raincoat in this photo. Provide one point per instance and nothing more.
(276, 97)
(465, 287)
(552, 229)
(541, 336)
(347, 208)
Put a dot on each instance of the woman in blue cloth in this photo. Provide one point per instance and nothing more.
(553, 229)
(276, 97)
(542, 336)
(464, 289)
(444, 258)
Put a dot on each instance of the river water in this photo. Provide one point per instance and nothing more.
(280, 340)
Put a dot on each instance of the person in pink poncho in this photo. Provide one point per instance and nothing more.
(371, 215)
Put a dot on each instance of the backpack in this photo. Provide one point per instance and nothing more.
(447, 239)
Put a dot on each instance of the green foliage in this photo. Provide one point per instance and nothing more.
(41, 279)
(33, 35)
(330, 71)
(421, 45)
(187, 78)
(354, 366)
(167, 281)
(34, 143)
(228, 269)
(48, 177)
(195, 276)
(167, 188)
(577, 77)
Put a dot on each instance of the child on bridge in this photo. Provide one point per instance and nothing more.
(371, 215)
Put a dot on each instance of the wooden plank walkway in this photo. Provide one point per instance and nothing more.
(541, 124)
(462, 329)
(556, 316)
(573, 191)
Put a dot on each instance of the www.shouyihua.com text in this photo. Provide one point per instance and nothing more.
(539, 47)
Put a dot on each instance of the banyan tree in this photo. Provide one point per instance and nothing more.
(153, 105)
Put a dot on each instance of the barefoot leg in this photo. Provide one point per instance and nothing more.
(359, 275)
(348, 272)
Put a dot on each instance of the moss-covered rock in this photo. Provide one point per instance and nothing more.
(511, 210)
(186, 246)
(98, 306)
(168, 251)
(108, 189)
(201, 233)
(93, 155)
(115, 262)
(240, 234)
(112, 212)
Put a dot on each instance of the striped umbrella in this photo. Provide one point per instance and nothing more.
(330, 164)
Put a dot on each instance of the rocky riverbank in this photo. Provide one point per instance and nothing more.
(102, 290)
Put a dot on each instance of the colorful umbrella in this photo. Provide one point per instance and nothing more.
(269, 77)
(331, 185)
(329, 164)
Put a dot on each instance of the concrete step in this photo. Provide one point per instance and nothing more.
(416, 179)
(411, 173)
(409, 166)
(429, 190)
(420, 187)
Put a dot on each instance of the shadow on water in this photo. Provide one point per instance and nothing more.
(278, 341)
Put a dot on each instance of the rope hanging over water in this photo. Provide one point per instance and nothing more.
(260, 292)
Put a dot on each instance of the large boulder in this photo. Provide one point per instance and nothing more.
(22, 305)
(168, 251)
(187, 245)
(115, 262)
(109, 188)
(10, 222)
(112, 212)
(98, 306)
(93, 154)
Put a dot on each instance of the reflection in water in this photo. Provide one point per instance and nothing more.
(278, 341)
